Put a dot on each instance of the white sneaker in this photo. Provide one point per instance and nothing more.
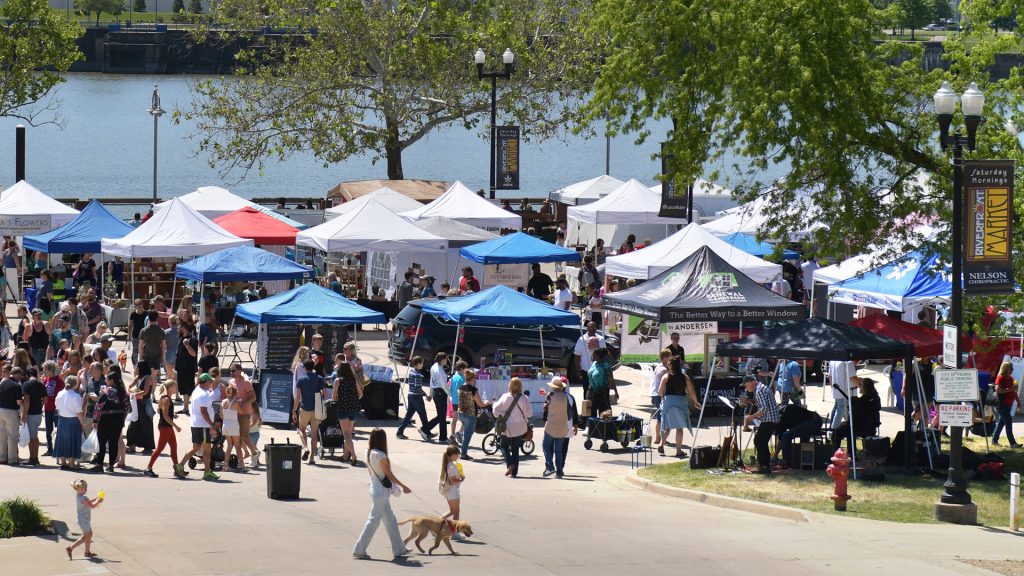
(254, 461)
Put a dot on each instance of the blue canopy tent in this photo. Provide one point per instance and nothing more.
(308, 304)
(242, 263)
(752, 246)
(907, 280)
(518, 248)
(82, 234)
(500, 306)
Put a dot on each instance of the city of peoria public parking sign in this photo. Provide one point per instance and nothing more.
(988, 215)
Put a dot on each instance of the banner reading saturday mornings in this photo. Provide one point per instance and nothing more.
(640, 341)
(988, 254)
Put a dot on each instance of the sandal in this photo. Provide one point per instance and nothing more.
(661, 450)
(90, 554)
(68, 550)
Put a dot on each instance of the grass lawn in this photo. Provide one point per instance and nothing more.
(900, 498)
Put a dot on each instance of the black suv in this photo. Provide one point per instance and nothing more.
(479, 341)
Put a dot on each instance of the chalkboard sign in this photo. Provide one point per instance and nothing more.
(282, 342)
(276, 396)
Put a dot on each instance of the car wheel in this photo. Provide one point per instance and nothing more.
(462, 355)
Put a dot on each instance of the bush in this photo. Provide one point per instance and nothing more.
(21, 517)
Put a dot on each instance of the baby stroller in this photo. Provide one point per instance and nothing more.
(331, 437)
(217, 454)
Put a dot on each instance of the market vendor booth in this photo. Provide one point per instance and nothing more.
(693, 297)
(506, 259)
(818, 339)
(502, 306)
(281, 320)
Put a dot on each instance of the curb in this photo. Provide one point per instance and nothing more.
(718, 500)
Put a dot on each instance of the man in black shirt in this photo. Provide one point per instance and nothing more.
(539, 285)
(13, 411)
(795, 422)
(35, 392)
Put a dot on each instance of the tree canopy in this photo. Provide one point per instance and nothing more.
(36, 47)
(813, 88)
(376, 77)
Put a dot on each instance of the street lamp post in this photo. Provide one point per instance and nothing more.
(156, 111)
(480, 58)
(972, 103)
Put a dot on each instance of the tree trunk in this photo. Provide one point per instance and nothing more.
(393, 150)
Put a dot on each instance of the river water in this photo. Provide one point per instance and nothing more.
(106, 150)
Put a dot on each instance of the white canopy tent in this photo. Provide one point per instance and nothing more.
(390, 199)
(177, 231)
(386, 268)
(25, 210)
(210, 201)
(632, 208)
(660, 256)
(214, 201)
(752, 217)
(371, 227)
(586, 191)
(462, 204)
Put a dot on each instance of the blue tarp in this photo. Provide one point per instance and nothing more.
(518, 248)
(501, 306)
(81, 234)
(751, 246)
(242, 263)
(307, 304)
(892, 286)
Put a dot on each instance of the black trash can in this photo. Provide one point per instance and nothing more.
(284, 467)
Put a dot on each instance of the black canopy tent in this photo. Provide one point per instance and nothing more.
(703, 287)
(820, 339)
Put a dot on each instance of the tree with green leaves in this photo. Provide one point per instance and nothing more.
(178, 6)
(139, 5)
(807, 88)
(98, 7)
(195, 6)
(377, 77)
(37, 47)
(915, 13)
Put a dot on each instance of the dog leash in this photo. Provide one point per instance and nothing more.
(430, 507)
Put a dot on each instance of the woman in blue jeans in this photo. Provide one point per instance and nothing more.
(1006, 388)
(469, 400)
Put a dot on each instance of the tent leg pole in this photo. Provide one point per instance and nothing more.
(455, 348)
(133, 278)
(924, 413)
(704, 402)
(853, 439)
(543, 359)
(908, 421)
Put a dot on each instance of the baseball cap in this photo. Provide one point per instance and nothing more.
(204, 377)
(106, 338)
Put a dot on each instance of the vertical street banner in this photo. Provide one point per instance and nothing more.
(673, 199)
(988, 234)
(508, 158)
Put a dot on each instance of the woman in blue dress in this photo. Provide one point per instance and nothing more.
(677, 395)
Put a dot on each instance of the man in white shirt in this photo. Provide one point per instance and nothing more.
(839, 374)
(439, 394)
(582, 350)
(563, 297)
(201, 409)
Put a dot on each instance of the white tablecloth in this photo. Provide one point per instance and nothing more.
(492, 389)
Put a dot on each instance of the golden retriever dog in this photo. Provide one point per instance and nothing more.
(442, 530)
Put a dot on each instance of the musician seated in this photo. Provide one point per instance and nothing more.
(796, 422)
(867, 409)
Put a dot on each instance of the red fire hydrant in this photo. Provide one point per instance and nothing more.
(839, 470)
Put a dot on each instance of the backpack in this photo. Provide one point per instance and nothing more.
(501, 422)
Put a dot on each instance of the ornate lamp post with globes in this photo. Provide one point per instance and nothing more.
(480, 58)
(972, 102)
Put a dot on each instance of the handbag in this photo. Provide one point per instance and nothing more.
(133, 416)
(501, 422)
(528, 436)
(318, 406)
(384, 480)
(991, 397)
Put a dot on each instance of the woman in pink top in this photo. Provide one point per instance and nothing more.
(246, 407)
(516, 407)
